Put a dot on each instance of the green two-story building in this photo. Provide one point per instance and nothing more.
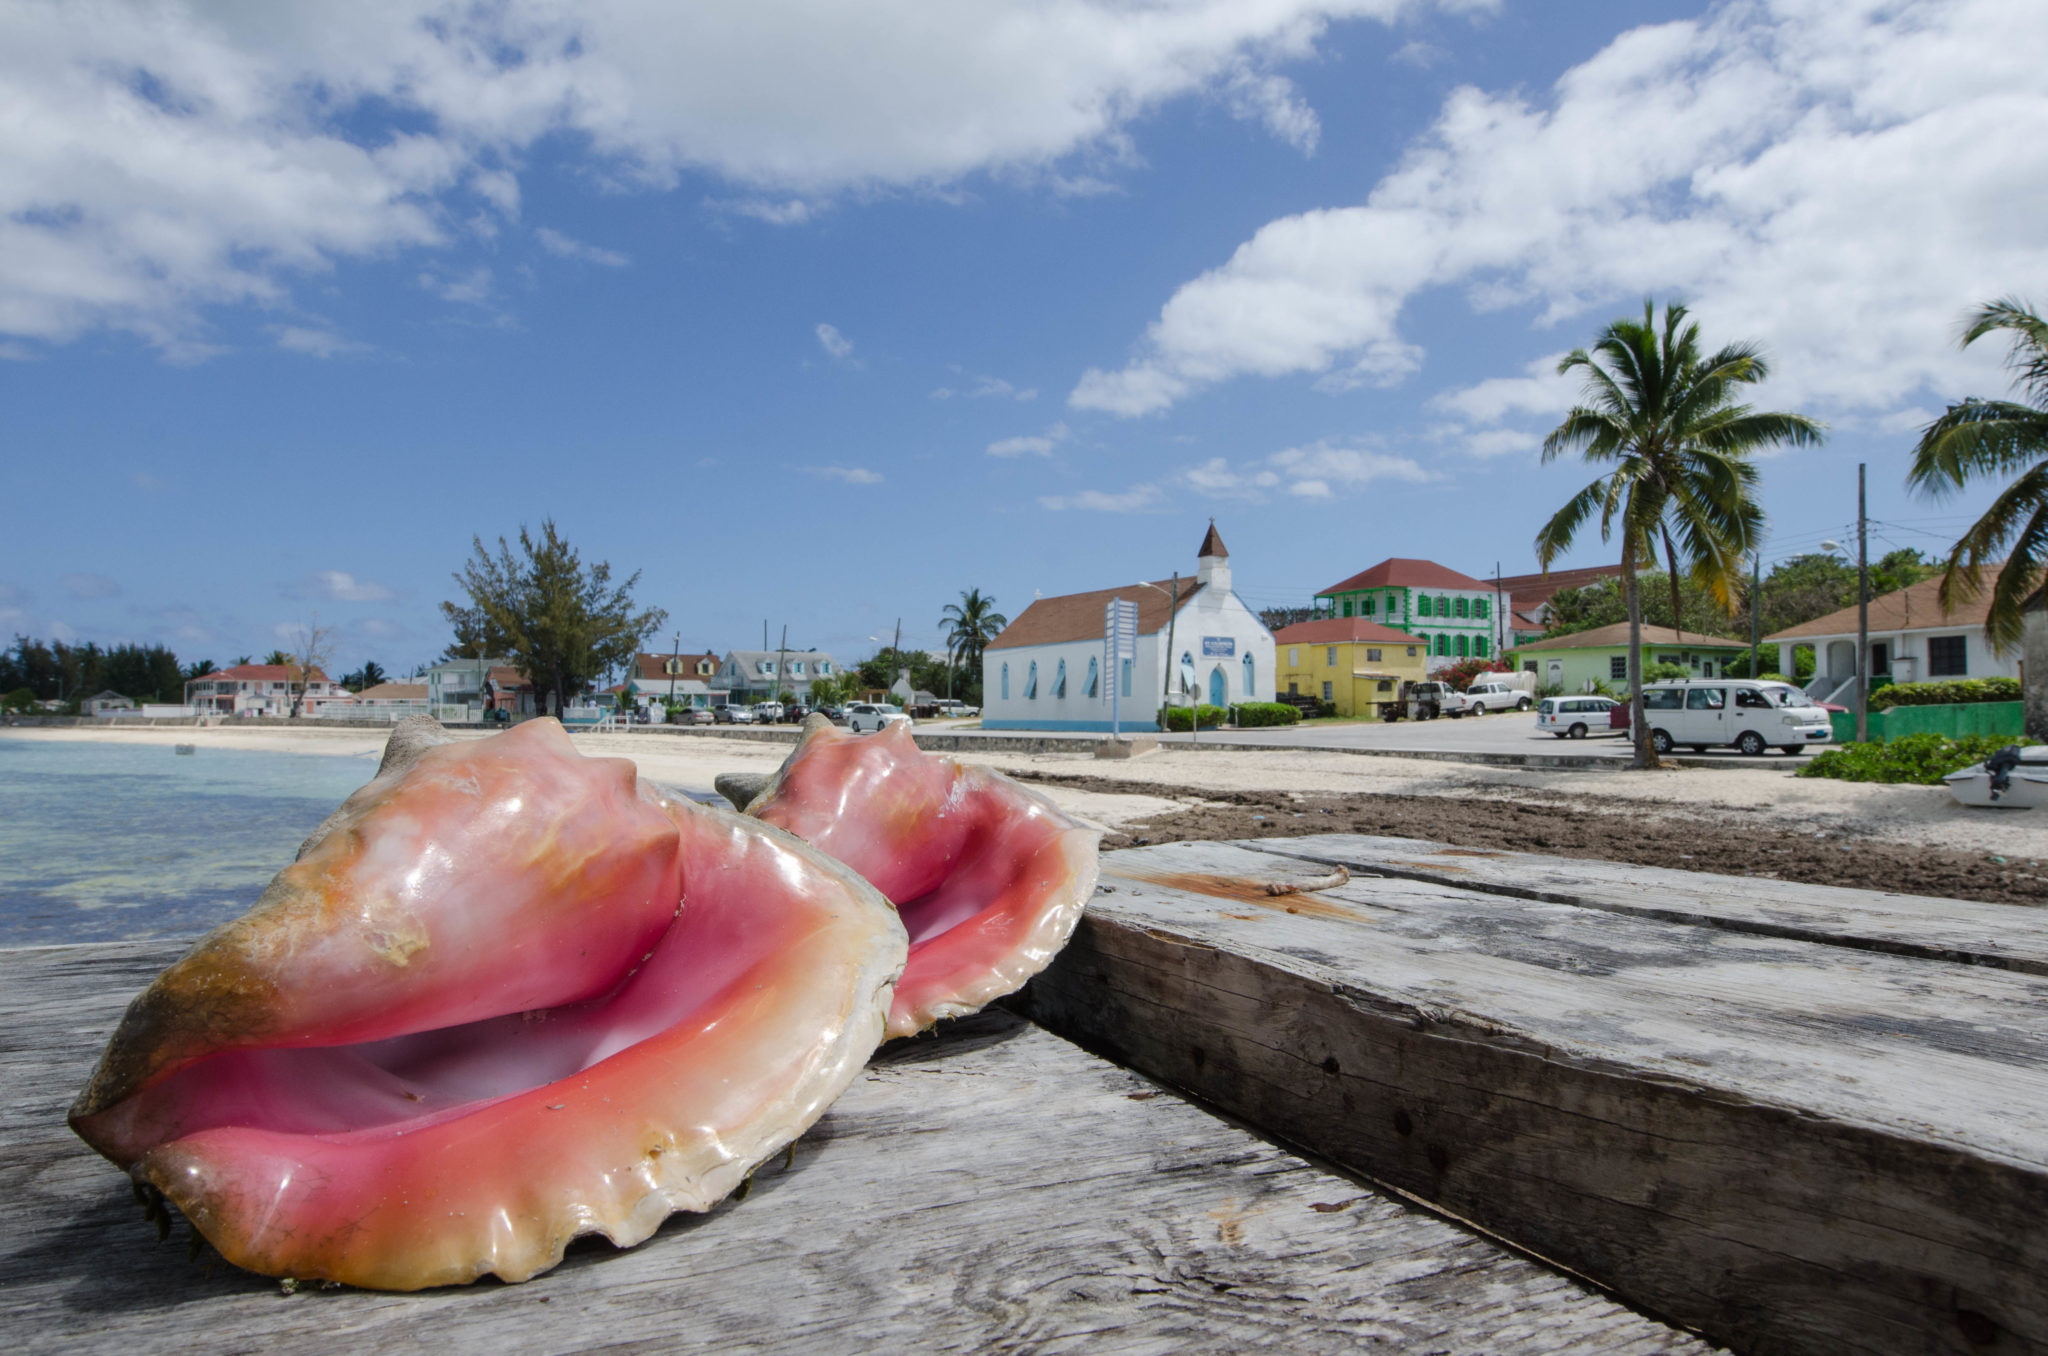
(1455, 615)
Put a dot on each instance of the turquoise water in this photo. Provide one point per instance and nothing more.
(104, 842)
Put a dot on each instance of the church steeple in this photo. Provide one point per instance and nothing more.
(1212, 563)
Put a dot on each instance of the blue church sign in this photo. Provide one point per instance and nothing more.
(1219, 647)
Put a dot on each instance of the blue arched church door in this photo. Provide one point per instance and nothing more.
(1216, 692)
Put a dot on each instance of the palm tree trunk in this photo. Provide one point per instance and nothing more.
(1639, 727)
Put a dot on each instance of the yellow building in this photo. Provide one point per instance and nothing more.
(1353, 664)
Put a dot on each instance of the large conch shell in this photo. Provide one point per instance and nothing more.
(990, 878)
(506, 996)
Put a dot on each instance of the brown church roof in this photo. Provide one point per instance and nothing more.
(1079, 616)
(1212, 545)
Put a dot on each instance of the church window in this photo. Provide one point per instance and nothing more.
(1031, 682)
(1059, 680)
(1094, 678)
(1251, 690)
(1006, 682)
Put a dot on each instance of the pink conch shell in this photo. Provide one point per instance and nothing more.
(507, 997)
(990, 878)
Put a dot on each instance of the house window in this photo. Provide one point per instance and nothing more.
(1479, 646)
(1386, 685)
(1006, 682)
(1094, 678)
(825, 666)
(1372, 656)
(1251, 690)
(1125, 680)
(1411, 652)
(1617, 667)
(1947, 656)
(1463, 648)
(1464, 608)
(1294, 656)
(796, 666)
(1347, 607)
(1328, 692)
(1365, 607)
(1443, 647)
(1059, 680)
(1422, 606)
(765, 666)
(1443, 606)
(1031, 682)
(1330, 655)
(1481, 608)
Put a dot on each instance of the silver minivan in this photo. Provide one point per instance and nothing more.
(1575, 717)
(1718, 713)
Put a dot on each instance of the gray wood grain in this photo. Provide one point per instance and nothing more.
(995, 1189)
(2006, 936)
(1791, 1145)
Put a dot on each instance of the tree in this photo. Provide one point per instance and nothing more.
(1992, 439)
(369, 675)
(970, 625)
(312, 651)
(562, 625)
(1666, 420)
(277, 658)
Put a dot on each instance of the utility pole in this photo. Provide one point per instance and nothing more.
(675, 661)
(1756, 612)
(1172, 606)
(1862, 612)
(782, 664)
(1500, 615)
(896, 659)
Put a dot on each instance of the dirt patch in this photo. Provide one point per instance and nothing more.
(1719, 842)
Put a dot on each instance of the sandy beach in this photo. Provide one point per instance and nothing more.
(1116, 795)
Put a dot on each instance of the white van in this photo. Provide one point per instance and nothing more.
(1751, 716)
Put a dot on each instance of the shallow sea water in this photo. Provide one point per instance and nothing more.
(108, 842)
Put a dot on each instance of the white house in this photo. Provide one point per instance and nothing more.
(757, 675)
(1046, 670)
(257, 690)
(1912, 640)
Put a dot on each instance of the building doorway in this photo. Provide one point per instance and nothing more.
(1218, 692)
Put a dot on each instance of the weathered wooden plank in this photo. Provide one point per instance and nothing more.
(994, 1190)
(2006, 936)
(1790, 1145)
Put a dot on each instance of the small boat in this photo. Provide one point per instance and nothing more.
(2014, 778)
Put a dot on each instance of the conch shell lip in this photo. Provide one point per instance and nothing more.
(990, 876)
(745, 979)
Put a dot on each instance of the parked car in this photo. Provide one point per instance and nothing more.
(1576, 717)
(795, 712)
(835, 714)
(767, 713)
(730, 714)
(1752, 717)
(1496, 694)
(695, 715)
(868, 717)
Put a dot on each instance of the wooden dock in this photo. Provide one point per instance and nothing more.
(1795, 1118)
(994, 1190)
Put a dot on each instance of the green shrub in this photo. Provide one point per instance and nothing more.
(1267, 713)
(1665, 673)
(1919, 759)
(21, 699)
(1176, 717)
(1949, 692)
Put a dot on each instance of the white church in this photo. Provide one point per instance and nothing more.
(1047, 670)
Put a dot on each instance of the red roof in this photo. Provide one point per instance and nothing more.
(263, 673)
(1341, 630)
(1534, 590)
(654, 667)
(1079, 616)
(1406, 574)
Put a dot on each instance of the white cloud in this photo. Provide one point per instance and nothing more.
(1311, 489)
(1134, 500)
(567, 247)
(1840, 181)
(852, 475)
(90, 586)
(1038, 446)
(318, 342)
(164, 159)
(344, 587)
(1501, 442)
(788, 212)
(834, 343)
(470, 288)
(985, 387)
(1322, 464)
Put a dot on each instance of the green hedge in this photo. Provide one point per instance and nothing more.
(1920, 759)
(1951, 692)
(1267, 713)
(1177, 717)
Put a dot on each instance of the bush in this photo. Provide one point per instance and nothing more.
(1267, 713)
(1918, 759)
(21, 699)
(1176, 717)
(1950, 692)
(1665, 673)
(1462, 674)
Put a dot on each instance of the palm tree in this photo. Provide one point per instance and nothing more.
(1984, 438)
(970, 625)
(1665, 419)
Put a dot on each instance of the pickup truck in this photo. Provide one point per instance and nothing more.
(1494, 695)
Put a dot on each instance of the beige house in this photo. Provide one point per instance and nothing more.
(1912, 640)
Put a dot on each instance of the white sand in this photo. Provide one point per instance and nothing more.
(1923, 816)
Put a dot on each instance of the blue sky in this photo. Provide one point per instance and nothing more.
(820, 320)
